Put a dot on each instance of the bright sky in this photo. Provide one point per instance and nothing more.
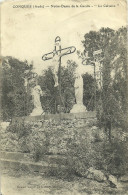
(30, 33)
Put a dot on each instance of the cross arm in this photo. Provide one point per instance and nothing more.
(91, 63)
(47, 56)
(68, 50)
(62, 52)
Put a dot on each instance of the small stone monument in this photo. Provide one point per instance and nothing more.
(78, 85)
(36, 93)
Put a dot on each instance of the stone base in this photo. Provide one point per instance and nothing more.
(37, 111)
(78, 108)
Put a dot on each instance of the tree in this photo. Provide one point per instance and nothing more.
(88, 96)
(49, 101)
(14, 96)
(47, 84)
(51, 98)
(113, 45)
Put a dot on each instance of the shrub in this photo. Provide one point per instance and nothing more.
(103, 155)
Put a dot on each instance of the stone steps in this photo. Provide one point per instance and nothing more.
(21, 162)
(18, 156)
(28, 167)
(14, 156)
(55, 159)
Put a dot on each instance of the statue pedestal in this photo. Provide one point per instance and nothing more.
(78, 108)
(37, 111)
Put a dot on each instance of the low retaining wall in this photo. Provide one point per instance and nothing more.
(48, 134)
(75, 137)
(61, 116)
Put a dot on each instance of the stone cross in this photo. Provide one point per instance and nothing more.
(56, 56)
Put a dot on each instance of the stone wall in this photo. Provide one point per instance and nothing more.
(49, 133)
(75, 137)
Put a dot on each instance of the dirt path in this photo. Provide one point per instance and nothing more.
(39, 185)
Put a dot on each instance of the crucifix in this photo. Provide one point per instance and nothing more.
(97, 59)
(56, 56)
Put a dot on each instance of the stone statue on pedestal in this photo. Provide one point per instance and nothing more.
(78, 85)
(36, 93)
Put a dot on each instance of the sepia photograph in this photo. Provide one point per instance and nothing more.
(63, 97)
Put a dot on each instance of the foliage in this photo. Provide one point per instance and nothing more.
(26, 134)
(88, 96)
(98, 153)
(47, 84)
(51, 98)
(112, 99)
(115, 157)
(15, 99)
(20, 129)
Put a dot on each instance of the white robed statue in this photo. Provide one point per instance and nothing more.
(78, 85)
(36, 93)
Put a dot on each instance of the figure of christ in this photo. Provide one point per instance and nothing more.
(56, 63)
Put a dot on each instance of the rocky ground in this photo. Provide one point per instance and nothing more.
(33, 184)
